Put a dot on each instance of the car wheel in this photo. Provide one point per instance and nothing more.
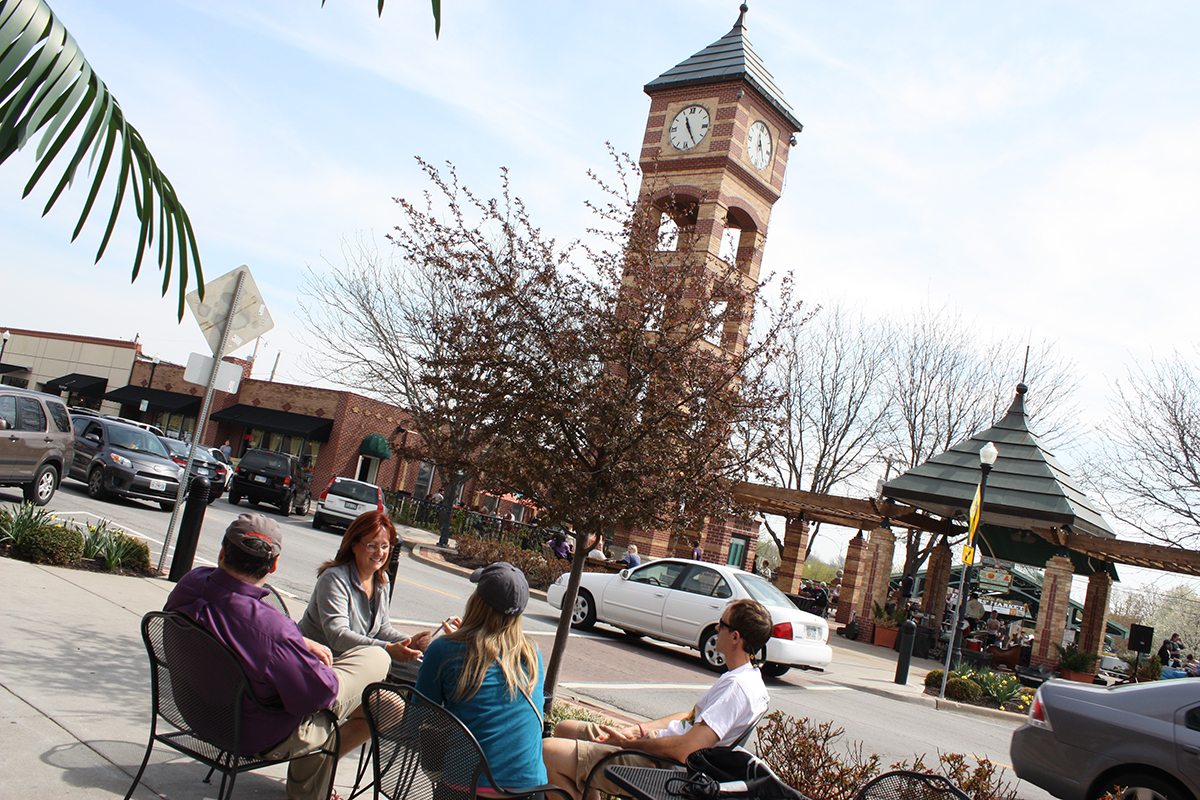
(1141, 785)
(709, 653)
(773, 670)
(301, 509)
(95, 484)
(44, 483)
(583, 616)
(234, 499)
(285, 508)
(317, 522)
(166, 505)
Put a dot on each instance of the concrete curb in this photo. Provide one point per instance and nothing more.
(429, 554)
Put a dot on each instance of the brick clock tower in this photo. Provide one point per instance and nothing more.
(713, 162)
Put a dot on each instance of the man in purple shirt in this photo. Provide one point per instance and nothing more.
(285, 669)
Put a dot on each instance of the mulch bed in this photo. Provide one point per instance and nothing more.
(983, 702)
(87, 565)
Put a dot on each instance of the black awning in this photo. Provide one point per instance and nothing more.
(80, 384)
(6, 368)
(171, 402)
(315, 429)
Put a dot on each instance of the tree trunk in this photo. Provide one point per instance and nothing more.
(564, 623)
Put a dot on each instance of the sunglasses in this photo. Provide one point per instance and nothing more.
(723, 624)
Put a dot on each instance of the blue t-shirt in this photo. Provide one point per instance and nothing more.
(507, 728)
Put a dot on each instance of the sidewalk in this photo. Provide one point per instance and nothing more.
(75, 696)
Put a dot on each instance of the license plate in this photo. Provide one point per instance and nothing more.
(352, 506)
(158, 486)
(201, 472)
(260, 478)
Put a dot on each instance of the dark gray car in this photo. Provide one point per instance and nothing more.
(114, 458)
(35, 442)
(1083, 740)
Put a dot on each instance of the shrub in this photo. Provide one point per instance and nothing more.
(50, 544)
(538, 571)
(562, 711)
(1001, 688)
(128, 553)
(1074, 659)
(24, 521)
(963, 689)
(981, 782)
(803, 755)
(934, 679)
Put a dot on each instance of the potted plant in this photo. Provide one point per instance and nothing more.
(887, 625)
(1076, 665)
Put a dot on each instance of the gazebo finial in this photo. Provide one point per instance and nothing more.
(1018, 403)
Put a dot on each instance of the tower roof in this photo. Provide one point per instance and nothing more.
(1026, 487)
(730, 58)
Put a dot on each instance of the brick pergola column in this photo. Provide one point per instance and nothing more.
(877, 572)
(795, 544)
(937, 583)
(1095, 613)
(1052, 612)
(851, 574)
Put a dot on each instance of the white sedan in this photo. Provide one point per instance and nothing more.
(681, 601)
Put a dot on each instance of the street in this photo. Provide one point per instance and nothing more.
(604, 666)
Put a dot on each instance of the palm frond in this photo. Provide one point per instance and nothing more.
(47, 85)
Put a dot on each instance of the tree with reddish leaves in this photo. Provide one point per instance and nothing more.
(603, 381)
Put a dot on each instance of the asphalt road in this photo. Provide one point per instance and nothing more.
(604, 666)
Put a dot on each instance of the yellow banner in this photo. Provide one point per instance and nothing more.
(968, 554)
(975, 504)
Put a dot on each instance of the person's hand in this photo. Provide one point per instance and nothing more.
(619, 737)
(420, 641)
(400, 651)
(323, 653)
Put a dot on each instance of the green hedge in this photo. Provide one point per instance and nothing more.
(51, 544)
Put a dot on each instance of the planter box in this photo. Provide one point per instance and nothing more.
(886, 637)
(1078, 677)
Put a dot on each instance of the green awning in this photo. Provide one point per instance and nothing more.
(375, 446)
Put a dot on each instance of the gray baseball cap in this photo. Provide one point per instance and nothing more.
(256, 534)
(503, 587)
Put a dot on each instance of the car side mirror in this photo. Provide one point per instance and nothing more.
(93, 437)
(624, 574)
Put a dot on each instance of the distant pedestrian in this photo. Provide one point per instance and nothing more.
(226, 449)
(631, 559)
(696, 554)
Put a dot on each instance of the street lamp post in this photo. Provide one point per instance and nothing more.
(987, 457)
(4, 337)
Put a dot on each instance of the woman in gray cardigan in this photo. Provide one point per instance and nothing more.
(350, 605)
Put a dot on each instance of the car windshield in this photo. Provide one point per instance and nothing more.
(763, 592)
(136, 439)
(176, 447)
(362, 492)
(261, 460)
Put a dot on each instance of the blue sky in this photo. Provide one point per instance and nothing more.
(1035, 163)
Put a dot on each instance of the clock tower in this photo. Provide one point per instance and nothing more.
(713, 161)
(715, 153)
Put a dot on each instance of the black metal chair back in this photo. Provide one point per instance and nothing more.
(421, 751)
(198, 686)
(276, 600)
(906, 785)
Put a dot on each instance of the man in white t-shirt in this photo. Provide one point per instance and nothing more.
(722, 714)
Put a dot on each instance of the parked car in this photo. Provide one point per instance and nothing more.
(115, 458)
(343, 500)
(1082, 740)
(218, 456)
(36, 442)
(203, 466)
(681, 601)
(264, 476)
(157, 431)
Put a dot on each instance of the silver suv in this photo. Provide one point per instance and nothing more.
(344, 500)
(36, 443)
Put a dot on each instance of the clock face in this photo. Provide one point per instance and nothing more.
(689, 127)
(758, 145)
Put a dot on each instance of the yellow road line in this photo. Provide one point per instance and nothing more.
(430, 588)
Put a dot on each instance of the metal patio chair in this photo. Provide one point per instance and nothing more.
(906, 785)
(423, 752)
(198, 688)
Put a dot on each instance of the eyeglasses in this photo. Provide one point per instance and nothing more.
(723, 624)
(377, 548)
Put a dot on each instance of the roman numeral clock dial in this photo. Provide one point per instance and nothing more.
(689, 127)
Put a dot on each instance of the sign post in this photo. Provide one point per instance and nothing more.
(231, 315)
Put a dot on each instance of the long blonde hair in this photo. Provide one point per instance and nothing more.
(493, 638)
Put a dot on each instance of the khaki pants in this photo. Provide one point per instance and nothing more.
(309, 777)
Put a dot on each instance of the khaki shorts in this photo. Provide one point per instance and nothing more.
(589, 754)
